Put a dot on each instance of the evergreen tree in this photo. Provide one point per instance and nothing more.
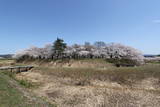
(59, 47)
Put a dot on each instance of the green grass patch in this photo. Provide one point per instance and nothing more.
(10, 96)
(26, 83)
(23, 82)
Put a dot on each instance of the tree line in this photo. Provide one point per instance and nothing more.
(112, 52)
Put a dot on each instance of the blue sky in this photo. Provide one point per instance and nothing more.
(24, 23)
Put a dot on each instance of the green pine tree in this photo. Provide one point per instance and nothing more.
(59, 47)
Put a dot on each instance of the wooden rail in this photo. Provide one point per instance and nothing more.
(17, 68)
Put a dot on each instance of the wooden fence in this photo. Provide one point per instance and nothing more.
(17, 68)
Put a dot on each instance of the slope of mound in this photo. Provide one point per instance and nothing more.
(83, 63)
(12, 95)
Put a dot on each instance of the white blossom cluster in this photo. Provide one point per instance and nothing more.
(35, 52)
(105, 51)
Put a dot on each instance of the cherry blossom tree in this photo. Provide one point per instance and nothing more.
(108, 51)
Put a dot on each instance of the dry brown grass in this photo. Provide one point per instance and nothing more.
(6, 62)
(83, 63)
(124, 75)
(98, 87)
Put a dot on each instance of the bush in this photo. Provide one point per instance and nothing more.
(25, 83)
(123, 62)
(25, 58)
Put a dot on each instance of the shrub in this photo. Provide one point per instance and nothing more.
(25, 83)
(123, 62)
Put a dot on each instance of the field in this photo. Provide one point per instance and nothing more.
(5, 62)
(88, 83)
